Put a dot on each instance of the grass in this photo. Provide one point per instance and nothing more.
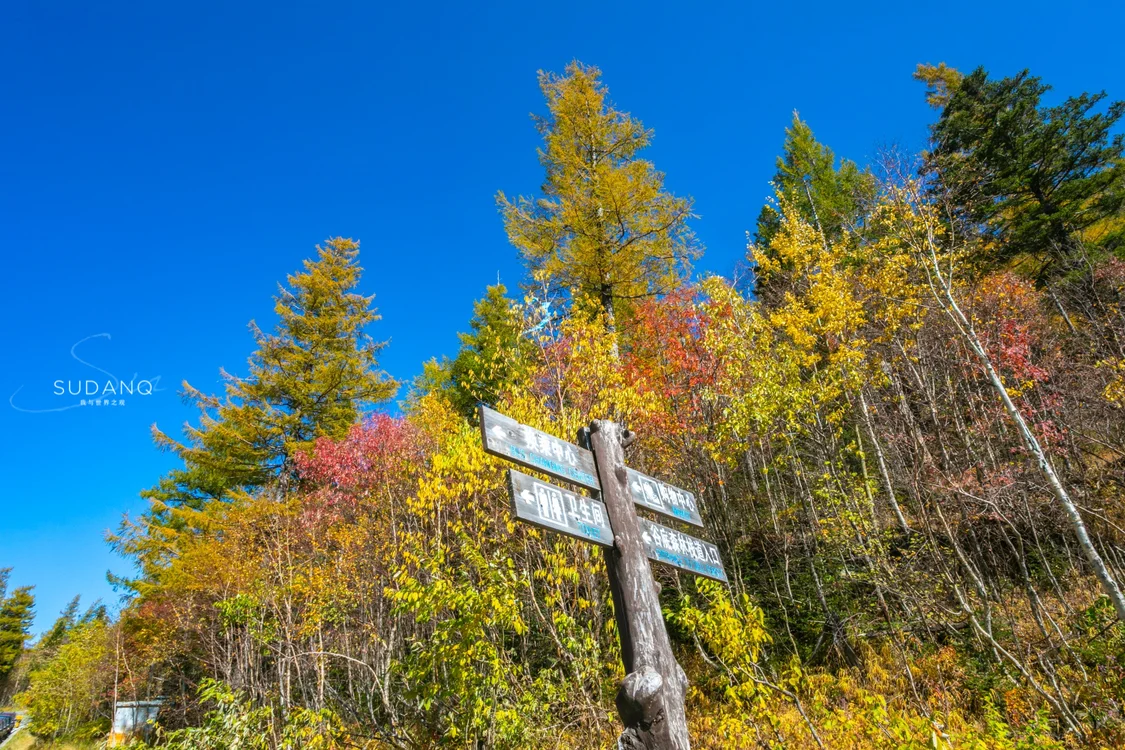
(24, 741)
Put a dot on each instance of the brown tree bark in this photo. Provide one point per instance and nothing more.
(650, 700)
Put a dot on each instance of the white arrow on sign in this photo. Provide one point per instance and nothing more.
(558, 509)
(535, 449)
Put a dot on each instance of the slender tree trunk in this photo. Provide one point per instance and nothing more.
(941, 286)
(887, 485)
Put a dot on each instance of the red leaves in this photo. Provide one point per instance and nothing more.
(1014, 352)
(1011, 326)
(1015, 331)
(382, 454)
(668, 354)
(1111, 274)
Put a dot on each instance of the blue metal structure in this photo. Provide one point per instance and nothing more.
(7, 725)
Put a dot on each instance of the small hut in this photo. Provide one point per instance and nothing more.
(133, 720)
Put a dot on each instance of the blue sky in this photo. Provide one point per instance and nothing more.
(167, 164)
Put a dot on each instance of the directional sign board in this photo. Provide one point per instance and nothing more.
(554, 508)
(682, 551)
(507, 438)
(663, 498)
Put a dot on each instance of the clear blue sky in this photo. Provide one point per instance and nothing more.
(166, 164)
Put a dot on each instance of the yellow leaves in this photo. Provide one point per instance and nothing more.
(797, 247)
(894, 295)
(755, 373)
(822, 307)
(942, 81)
(605, 228)
(788, 363)
(731, 627)
(1114, 391)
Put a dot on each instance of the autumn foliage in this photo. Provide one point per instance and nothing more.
(903, 572)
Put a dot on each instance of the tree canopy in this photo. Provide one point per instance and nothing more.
(313, 377)
(1032, 177)
(604, 231)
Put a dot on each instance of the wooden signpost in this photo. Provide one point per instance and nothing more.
(650, 700)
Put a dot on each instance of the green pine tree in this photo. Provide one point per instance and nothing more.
(1033, 178)
(17, 611)
(493, 355)
(828, 195)
(312, 377)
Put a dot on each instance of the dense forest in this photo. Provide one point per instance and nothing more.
(902, 418)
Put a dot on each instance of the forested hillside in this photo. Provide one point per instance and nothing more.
(902, 418)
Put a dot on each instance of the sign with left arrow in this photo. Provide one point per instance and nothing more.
(665, 499)
(556, 509)
(681, 550)
(535, 449)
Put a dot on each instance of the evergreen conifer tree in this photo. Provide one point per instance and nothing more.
(17, 611)
(493, 355)
(1031, 177)
(312, 377)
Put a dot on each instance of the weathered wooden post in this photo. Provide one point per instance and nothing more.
(650, 700)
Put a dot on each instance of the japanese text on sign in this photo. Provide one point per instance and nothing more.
(663, 498)
(507, 438)
(554, 508)
(681, 550)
